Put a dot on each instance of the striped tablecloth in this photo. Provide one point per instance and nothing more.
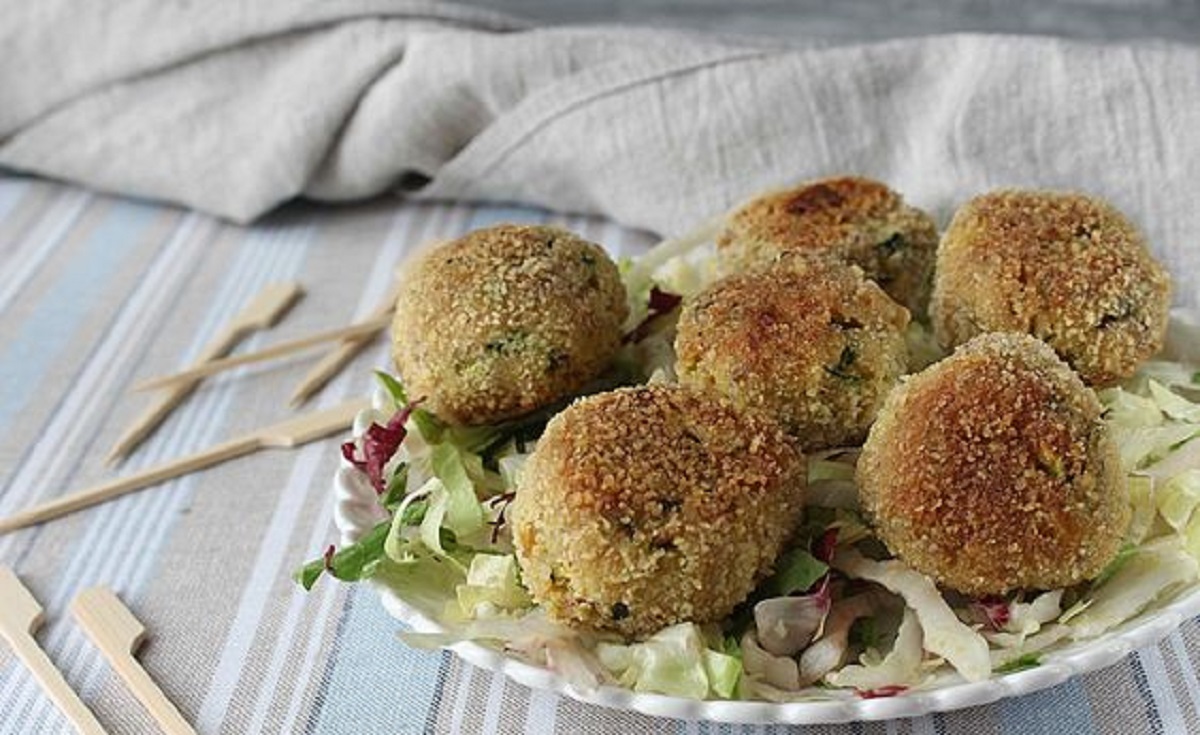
(98, 292)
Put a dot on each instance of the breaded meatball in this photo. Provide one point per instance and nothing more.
(992, 471)
(505, 320)
(852, 218)
(649, 506)
(1067, 268)
(809, 341)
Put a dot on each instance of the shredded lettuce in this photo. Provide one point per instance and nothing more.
(674, 661)
(1009, 655)
(1142, 447)
(1158, 567)
(426, 581)
(1173, 405)
(1141, 501)
(638, 275)
(1119, 560)
(1178, 497)
(463, 514)
(492, 580)
(510, 467)
(1127, 410)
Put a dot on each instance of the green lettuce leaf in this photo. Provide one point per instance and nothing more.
(493, 579)
(462, 514)
(796, 571)
(350, 563)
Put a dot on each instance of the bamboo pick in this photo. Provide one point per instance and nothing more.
(20, 618)
(332, 363)
(370, 326)
(118, 635)
(267, 308)
(290, 433)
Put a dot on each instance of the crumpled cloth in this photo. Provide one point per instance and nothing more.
(233, 108)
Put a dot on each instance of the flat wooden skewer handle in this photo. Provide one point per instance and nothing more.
(20, 617)
(293, 432)
(118, 635)
(263, 312)
(122, 485)
(332, 363)
(284, 348)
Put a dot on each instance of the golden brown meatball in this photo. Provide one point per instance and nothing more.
(855, 219)
(992, 471)
(505, 320)
(653, 505)
(1067, 268)
(809, 341)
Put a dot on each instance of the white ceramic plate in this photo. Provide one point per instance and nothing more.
(357, 511)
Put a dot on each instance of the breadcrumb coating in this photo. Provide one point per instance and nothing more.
(648, 506)
(1067, 268)
(505, 320)
(992, 471)
(855, 219)
(809, 341)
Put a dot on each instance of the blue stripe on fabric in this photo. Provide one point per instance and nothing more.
(48, 330)
(370, 645)
(1061, 710)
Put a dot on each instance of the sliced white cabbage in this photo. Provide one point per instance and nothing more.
(945, 634)
(1178, 498)
(1157, 568)
(780, 672)
(1174, 405)
(687, 276)
(1026, 618)
(829, 651)
(1141, 501)
(1141, 447)
(900, 667)
(1128, 410)
(1172, 374)
(1014, 649)
(785, 625)
(510, 467)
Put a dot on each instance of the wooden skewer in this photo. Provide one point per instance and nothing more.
(20, 618)
(267, 308)
(283, 348)
(118, 635)
(290, 433)
(332, 363)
